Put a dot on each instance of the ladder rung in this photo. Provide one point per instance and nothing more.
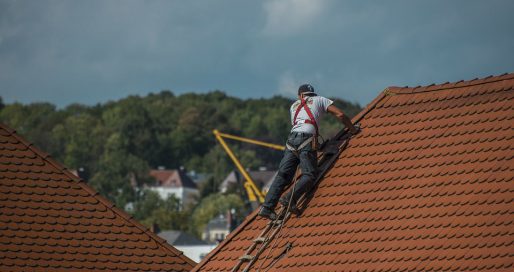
(277, 222)
(246, 258)
(260, 240)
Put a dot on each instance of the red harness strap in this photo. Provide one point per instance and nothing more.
(312, 121)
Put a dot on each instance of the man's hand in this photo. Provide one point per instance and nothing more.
(355, 129)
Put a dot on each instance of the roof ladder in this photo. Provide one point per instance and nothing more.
(246, 258)
(264, 238)
(329, 153)
(260, 240)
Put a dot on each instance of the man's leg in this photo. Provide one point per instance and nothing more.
(308, 165)
(286, 171)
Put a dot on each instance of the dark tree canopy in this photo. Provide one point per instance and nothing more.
(117, 143)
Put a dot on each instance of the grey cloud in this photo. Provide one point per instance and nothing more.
(92, 51)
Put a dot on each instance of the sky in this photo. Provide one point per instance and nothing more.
(94, 51)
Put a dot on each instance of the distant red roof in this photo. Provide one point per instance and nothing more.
(50, 220)
(428, 185)
(172, 178)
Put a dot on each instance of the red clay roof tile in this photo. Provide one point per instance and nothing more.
(427, 185)
(50, 220)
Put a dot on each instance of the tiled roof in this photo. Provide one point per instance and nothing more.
(172, 178)
(50, 220)
(427, 185)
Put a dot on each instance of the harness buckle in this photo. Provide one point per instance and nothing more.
(312, 140)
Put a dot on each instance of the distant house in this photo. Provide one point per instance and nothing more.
(191, 246)
(218, 228)
(176, 237)
(198, 178)
(176, 183)
(262, 179)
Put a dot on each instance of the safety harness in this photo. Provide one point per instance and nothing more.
(311, 121)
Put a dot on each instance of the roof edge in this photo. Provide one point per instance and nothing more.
(371, 106)
(393, 90)
(109, 205)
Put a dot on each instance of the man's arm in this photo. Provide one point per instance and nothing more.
(339, 114)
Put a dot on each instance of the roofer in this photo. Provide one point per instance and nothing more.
(301, 149)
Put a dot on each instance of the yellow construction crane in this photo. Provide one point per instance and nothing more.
(254, 193)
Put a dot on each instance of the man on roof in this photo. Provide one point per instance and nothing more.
(301, 149)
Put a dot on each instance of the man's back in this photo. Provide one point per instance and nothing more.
(318, 105)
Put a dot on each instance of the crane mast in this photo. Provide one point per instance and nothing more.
(255, 195)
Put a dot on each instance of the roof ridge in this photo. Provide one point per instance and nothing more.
(109, 205)
(394, 90)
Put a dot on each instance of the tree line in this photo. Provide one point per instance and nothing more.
(118, 142)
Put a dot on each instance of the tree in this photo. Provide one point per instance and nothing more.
(146, 204)
(82, 138)
(119, 172)
(151, 209)
(34, 121)
(213, 205)
(132, 123)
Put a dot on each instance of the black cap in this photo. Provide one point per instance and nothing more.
(305, 89)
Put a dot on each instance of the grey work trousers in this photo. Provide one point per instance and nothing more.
(306, 158)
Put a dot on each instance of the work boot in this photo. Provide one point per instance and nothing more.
(267, 213)
(284, 201)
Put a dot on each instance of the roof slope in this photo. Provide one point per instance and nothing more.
(427, 185)
(51, 220)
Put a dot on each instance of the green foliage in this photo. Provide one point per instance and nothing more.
(213, 205)
(119, 171)
(34, 121)
(131, 121)
(210, 186)
(167, 214)
(118, 142)
(81, 136)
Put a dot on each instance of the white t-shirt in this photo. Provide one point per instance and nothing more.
(318, 106)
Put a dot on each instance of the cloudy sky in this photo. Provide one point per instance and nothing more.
(94, 51)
